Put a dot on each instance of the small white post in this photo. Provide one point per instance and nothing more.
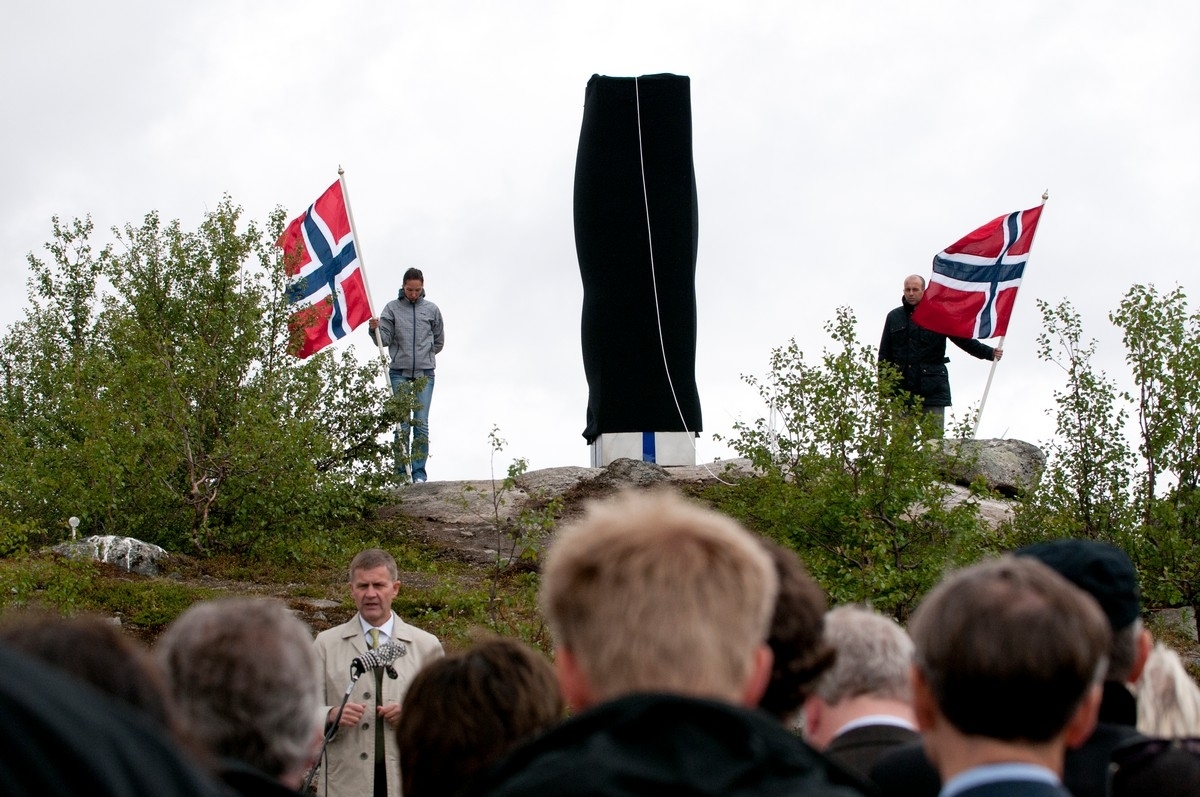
(74, 524)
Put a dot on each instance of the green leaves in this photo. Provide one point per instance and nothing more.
(1096, 485)
(850, 475)
(1086, 488)
(148, 391)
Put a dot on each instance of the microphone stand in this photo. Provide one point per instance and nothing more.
(355, 673)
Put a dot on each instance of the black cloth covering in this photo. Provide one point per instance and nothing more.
(628, 386)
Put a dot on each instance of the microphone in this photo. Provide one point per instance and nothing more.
(382, 656)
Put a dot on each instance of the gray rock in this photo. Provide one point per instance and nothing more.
(992, 511)
(626, 472)
(1010, 467)
(1183, 621)
(127, 553)
(461, 502)
(727, 471)
(319, 603)
(550, 482)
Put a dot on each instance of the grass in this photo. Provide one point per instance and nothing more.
(447, 597)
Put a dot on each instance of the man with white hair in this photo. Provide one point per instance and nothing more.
(244, 676)
(861, 708)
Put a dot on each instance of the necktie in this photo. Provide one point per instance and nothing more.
(380, 787)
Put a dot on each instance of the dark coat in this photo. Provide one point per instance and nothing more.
(246, 781)
(906, 772)
(1156, 766)
(62, 738)
(1015, 788)
(859, 748)
(667, 745)
(920, 355)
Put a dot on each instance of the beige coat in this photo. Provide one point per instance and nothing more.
(349, 766)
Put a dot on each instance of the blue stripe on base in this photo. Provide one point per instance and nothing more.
(647, 446)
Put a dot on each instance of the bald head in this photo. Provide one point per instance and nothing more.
(914, 288)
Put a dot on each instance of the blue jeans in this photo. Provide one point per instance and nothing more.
(413, 453)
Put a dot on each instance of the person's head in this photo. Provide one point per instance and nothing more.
(872, 673)
(62, 737)
(94, 650)
(914, 288)
(799, 653)
(1010, 651)
(374, 584)
(464, 712)
(414, 284)
(1168, 700)
(245, 677)
(650, 593)
(1105, 572)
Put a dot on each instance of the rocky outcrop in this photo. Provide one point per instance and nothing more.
(126, 553)
(471, 517)
(1009, 467)
(993, 511)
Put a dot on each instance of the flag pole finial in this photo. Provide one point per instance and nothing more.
(1045, 194)
(341, 171)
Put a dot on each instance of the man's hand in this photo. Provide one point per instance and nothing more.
(997, 354)
(372, 323)
(390, 712)
(351, 715)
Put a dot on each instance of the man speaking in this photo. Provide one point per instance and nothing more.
(362, 757)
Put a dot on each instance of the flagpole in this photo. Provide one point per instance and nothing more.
(383, 358)
(362, 265)
(1000, 343)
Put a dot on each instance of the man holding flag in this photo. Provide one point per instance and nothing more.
(919, 354)
(970, 296)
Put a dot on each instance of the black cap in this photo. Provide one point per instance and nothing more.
(1100, 569)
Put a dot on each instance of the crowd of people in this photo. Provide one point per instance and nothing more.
(690, 658)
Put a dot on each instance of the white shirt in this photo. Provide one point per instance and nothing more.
(996, 773)
(875, 719)
(385, 630)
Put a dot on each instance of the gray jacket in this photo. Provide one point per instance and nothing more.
(413, 334)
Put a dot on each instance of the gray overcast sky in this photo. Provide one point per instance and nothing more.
(838, 146)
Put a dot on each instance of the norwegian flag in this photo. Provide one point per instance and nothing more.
(326, 279)
(975, 280)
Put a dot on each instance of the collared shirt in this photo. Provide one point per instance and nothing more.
(385, 630)
(996, 773)
(875, 719)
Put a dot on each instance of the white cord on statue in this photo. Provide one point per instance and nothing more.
(654, 283)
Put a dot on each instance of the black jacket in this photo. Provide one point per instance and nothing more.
(247, 781)
(667, 745)
(59, 737)
(860, 748)
(920, 355)
(906, 772)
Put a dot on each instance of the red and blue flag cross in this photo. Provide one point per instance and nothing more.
(332, 263)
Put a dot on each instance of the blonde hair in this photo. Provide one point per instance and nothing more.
(652, 593)
(1168, 699)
